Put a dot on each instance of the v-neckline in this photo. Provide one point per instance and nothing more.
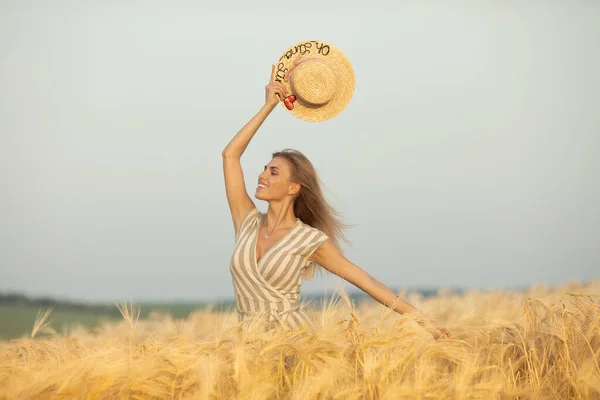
(257, 236)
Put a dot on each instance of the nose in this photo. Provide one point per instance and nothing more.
(262, 175)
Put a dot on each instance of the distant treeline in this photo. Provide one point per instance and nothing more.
(19, 299)
(46, 302)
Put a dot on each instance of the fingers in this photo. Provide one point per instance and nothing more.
(440, 333)
(275, 90)
(444, 333)
(274, 87)
(281, 87)
(280, 93)
(278, 88)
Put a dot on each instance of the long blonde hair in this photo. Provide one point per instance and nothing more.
(310, 205)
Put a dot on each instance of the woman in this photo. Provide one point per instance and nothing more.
(274, 252)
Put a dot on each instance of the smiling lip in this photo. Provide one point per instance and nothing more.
(262, 186)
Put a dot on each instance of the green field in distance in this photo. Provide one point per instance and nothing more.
(17, 320)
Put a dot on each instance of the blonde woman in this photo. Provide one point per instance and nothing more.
(300, 232)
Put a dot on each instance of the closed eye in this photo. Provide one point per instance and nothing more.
(274, 170)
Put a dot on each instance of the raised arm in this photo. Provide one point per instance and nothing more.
(328, 256)
(240, 203)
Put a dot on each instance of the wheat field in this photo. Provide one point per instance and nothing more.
(540, 344)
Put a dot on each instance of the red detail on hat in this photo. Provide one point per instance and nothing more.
(289, 102)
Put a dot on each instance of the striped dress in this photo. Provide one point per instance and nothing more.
(271, 287)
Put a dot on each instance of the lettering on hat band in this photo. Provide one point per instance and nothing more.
(303, 48)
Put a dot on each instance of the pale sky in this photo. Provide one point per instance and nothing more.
(468, 155)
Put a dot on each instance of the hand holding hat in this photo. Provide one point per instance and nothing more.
(275, 91)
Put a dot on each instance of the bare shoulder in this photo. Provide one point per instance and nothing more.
(328, 255)
(327, 249)
(331, 258)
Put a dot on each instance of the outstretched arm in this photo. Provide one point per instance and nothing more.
(328, 256)
(240, 204)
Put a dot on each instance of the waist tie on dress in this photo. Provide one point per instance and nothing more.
(273, 314)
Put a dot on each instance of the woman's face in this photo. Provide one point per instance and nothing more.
(274, 182)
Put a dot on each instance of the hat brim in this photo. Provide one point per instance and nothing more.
(338, 61)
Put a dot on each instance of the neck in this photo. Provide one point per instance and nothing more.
(280, 214)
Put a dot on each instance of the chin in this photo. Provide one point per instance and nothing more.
(258, 195)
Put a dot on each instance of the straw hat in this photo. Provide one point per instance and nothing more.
(319, 79)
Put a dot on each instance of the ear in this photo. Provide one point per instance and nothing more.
(294, 188)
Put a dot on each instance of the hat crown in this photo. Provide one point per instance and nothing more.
(314, 81)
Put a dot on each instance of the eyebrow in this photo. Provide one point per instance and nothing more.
(272, 167)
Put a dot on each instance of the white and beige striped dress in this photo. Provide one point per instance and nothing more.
(271, 287)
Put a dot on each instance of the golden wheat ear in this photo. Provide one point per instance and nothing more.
(131, 315)
(41, 321)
